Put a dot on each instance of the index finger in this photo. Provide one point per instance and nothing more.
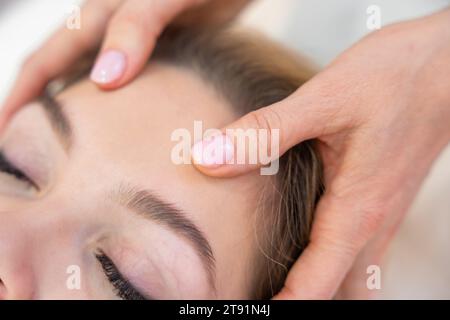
(335, 242)
(57, 54)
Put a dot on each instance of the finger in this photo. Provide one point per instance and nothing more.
(355, 285)
(302, 116)
(57, 55)
(131, 37)
(337, 238)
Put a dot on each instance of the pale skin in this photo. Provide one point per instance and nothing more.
(381, 112)
(71, 211)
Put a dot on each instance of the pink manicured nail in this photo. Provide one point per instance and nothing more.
(213, 151)
(109, 67)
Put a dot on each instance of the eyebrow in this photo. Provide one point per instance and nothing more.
(143, 202)
(149, 205)
(58, 119)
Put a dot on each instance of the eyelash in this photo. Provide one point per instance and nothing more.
(8, 168)
(122, 287)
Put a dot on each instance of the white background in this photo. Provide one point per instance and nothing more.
(418, 264)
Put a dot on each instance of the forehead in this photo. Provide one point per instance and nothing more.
(126, 134)
(129, 130)
(133, 126)
(164, 98)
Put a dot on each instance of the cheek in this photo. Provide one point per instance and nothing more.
(42, 263)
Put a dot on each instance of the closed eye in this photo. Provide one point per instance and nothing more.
(8, 168)
(121, 286)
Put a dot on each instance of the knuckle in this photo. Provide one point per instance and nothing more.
(266, 118)
(349, 229)
(123, 19)
(33, 65)
(129, 21)
(275, 122)
(337, 245)
(374, 216)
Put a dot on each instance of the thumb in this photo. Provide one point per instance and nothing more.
(261, 137)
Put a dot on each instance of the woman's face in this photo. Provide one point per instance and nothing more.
(88, 191)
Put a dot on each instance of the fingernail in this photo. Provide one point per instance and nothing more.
(213, 151)
(109, 67)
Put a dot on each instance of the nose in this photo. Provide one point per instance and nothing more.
(16, 281)
(36, 246)
(16, 274)
(15, 285)
(14, 288)
(2, 290)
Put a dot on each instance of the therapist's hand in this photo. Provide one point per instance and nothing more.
(381, 114)
(126, 30)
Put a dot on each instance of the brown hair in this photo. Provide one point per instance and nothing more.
(251, 72)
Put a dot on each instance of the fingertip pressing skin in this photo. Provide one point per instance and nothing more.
(216, 156)
(109, 68)
(213, 151)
